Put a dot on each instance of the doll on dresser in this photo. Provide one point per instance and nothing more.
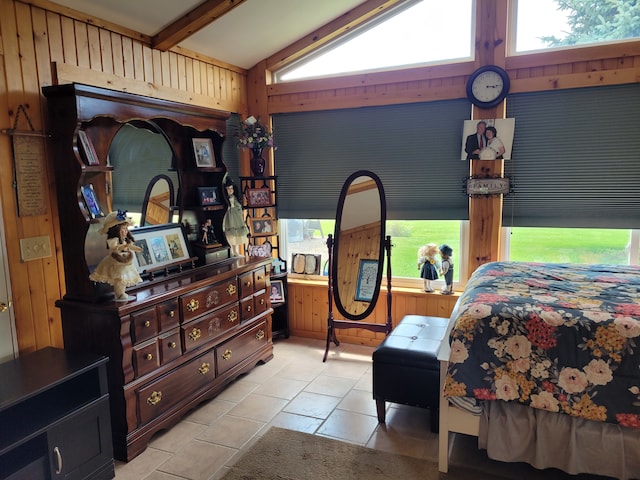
(233, 224)
(117, 267)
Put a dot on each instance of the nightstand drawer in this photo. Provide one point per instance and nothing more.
(203, 330)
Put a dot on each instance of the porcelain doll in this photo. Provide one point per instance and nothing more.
(446, 269)
(427, 264)
(117, 268)
(233, 224)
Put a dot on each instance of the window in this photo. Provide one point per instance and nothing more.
(310, 237)
(543, 24)
(571, 245)
(423, 32)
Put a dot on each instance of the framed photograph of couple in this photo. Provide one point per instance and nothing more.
(208, 196)
(262, 227)
(203, 151)
(496, 144)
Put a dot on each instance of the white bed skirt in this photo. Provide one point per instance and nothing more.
(516, 433)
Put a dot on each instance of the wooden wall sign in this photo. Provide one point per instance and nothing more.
(28, 157)
(487, 186)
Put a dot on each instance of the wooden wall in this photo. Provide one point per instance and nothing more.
(33, 34)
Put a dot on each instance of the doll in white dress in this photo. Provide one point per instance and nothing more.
(233, 224)
(117, 267)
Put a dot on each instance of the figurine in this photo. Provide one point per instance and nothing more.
(427, 264)
(208, 235)
(117, 268)
(233, 224)
(447, 268)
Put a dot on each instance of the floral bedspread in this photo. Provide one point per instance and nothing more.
(559, 337)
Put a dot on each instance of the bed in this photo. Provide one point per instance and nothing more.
(547, 356)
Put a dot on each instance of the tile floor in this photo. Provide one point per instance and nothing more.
(296, 390)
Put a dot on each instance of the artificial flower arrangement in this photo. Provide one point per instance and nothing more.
(254, 135)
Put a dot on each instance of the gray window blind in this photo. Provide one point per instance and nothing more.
(413, 148)
(576, 158)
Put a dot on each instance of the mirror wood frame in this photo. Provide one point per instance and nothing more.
(355, 320)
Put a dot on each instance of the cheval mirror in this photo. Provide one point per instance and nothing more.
(357, 256)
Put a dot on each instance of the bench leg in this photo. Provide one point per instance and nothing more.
(380, 407)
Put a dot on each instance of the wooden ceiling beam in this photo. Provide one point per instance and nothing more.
(190, 23)
(331, 31)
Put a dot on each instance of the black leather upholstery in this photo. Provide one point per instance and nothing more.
(405, 365)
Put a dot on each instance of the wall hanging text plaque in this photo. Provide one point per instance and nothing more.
(28, 155)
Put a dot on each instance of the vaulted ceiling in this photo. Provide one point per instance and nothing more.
(237, 32)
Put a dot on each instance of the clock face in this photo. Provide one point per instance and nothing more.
(488, 86)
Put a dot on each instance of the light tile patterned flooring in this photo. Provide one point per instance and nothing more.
(296, 390)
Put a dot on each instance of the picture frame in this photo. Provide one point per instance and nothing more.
(90, 199)
(367, 275)
(306, 263)
(88, 149)
(162, 246)
(262, 227)
(203, 152)
(276, 293)
(209, 196)
(262, 250)
(259, 197)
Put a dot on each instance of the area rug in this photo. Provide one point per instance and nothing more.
(289, 455)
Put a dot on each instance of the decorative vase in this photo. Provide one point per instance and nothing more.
(257, 162)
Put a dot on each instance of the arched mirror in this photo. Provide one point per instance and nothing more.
(357, 256)
(143, 180)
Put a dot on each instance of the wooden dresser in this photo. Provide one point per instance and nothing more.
(180, 342)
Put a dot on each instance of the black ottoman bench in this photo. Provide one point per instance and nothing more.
(406, 368)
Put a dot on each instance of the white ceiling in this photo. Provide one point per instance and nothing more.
(250, 32)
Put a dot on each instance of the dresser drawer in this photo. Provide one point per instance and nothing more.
(171, 389)
(144, 325)
(167, 313)
(202, 301)
(261, 302)
(247, 284)
(230, 353)
(170, 347)
(201, 331)
(146, 357)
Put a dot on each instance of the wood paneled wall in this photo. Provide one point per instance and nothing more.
(33, 35)
(308, 308)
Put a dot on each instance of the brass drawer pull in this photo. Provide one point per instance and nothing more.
(172, 345)
(147, 323)
(154, 398)
(195, 334)
(231, 289)
(247, 283)
(233, 316)
(249, 308)
(148, 356)
(193, 305)
(260, 335)
(172, 313)
(204, 369)
(262, 301)
(226, 355)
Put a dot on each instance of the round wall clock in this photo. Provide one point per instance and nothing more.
(488, 86)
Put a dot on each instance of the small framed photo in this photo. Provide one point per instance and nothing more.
(262, 227)
(161, 245)
(203, 151)
(259, 197)
(92, 201)
(208, 196)
(262, 250)
(367, 276)
(276, 294)
(89, 152)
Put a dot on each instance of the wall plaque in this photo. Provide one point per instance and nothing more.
(487, 186)
(28, 156)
